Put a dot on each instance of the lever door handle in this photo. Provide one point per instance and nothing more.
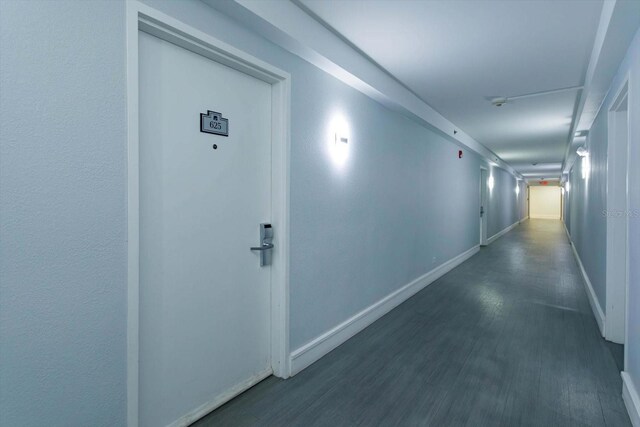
(264, 247)
(266, 237)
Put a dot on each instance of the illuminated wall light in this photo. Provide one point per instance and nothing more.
(583, 152)
(490, 182)
(338, 140)
(567, 186)
(517, 190)
(586, 167)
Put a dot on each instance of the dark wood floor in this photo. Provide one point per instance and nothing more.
(506, 339)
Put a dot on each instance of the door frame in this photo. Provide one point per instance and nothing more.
(484, 224)
(140, 17)
(528, 201)
(617, 197)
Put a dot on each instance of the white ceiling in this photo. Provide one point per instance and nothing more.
(458, 55)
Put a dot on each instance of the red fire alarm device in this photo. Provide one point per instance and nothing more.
(459, 154)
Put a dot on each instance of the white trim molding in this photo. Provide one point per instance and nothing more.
(631, 399)
(216, 402)
(499, 234)
(593, 299)
(320, 346)
(617, 200)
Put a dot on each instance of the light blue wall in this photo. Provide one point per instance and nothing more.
(631, 65)
(587, 201)
(568, 204)
(62, 214)
(522, 200)
(503, 202)
(402, 204)
(566, 198)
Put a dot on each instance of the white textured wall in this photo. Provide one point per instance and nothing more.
(62, 214)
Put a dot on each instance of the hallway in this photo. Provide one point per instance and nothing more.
(507, 338)
(277, 217)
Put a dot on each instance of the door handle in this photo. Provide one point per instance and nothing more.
(264, 247)
(266, 239)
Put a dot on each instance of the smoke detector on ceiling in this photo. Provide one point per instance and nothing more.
(499, 102)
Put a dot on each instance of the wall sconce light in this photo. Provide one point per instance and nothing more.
(567, 186)
(490, 182)
(339, 137)
(582, 151)
(517, 190)
(586, 167)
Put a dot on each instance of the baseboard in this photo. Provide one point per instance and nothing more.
(524, 219)
(593, 299)
(631, 399)
(320, 346)
(502, 233)
(216, 402)
(545, 217)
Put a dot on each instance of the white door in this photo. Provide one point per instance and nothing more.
(204, 299)
(483, 206)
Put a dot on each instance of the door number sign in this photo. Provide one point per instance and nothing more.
(213, 122)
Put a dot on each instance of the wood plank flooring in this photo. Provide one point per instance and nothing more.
(506, 339)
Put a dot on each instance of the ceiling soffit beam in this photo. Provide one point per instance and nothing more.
(287, 25)
(619, 21)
